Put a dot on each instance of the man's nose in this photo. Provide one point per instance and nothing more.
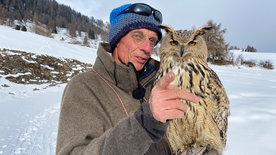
(146, 46)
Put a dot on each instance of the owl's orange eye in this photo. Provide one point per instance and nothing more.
(174, 43)
(192, 43)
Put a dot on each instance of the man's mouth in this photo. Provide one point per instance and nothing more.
(141, 59)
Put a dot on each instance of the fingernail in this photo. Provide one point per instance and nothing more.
(171, 75)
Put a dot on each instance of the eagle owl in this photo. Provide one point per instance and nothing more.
(204, 125)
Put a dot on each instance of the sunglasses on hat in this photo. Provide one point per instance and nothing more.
(143, 9)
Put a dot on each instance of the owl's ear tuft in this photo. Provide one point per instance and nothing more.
(167, 28)
(203, 30)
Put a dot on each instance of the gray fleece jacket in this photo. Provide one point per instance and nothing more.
(93, 121)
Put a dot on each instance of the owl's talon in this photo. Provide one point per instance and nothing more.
(183, 148)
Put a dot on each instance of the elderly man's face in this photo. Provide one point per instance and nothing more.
(135, 47)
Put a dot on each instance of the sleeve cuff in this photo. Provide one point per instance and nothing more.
(154, 128)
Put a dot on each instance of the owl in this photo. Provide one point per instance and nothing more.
(204, 125)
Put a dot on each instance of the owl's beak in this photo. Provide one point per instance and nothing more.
(182, 50)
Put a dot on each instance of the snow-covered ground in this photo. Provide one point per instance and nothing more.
(31, 42)
(252, 124)
(28, 122)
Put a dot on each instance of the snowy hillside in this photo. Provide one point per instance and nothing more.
(29, 117)
(30, 42)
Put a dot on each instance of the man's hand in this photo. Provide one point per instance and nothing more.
(165, 99)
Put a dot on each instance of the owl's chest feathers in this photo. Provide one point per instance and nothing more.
(191, 76)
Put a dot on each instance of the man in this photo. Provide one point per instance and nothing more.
(114, 109)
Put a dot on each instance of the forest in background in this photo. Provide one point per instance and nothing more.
(52, 15)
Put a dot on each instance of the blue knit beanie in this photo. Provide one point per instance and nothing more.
(122, 24)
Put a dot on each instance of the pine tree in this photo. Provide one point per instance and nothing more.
(91, 34)
(215, 42)
(72, 30)
(3, 12)
(24, 28)
(17, 27)
(85, 41)
(250, 49)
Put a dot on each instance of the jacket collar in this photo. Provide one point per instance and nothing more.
(123, 76)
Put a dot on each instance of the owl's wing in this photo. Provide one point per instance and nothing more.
(221, 108)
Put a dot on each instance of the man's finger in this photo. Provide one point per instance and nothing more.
(178, 94)
(172, 114)
(172, 87)
(165, 81)
(173, 104)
